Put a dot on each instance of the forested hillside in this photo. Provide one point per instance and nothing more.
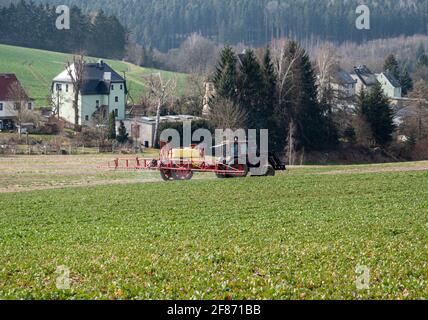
(164, 24)
(29, 25)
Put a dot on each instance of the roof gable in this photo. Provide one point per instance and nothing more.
(392, 79)
(365, 75)
(7, 81)
(97, 78)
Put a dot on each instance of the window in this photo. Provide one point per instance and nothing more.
(30, 106)
(112, 87)
(58, 87)
(116, 99)
(16, 106)
(86, 118)
(97, 103)
(1, 106)
(116, 112)
(121, 87)
(66, 88)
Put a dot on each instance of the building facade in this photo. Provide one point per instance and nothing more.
(13, 101)
(103, 91)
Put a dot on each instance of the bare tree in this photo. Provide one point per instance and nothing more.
(327, 63)
(160, 90)
(76, 72)
(420, 109)
(285, 61)
(227, 115)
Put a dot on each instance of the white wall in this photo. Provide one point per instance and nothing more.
(8, 111)
(116, 91)
(87, 103)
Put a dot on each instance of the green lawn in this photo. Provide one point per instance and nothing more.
(296, 236)
(36, 69)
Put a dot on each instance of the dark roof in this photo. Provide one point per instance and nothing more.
(7, 80)
(392, 79)
(365, 75)
(95, 83)
(343, 77)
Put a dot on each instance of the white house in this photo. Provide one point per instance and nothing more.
(365, 79)
(343, 84)
(103, 90)
(13, 100)
(390, 85)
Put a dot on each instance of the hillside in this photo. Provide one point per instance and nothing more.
(164, 24)
(36, 68)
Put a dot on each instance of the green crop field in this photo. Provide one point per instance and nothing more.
(300, 235)
(36, 69)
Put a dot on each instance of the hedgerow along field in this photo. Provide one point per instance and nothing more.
(36, 69)
(299, 235)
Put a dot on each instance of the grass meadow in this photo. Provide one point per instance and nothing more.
(300, 235)
(36, 69)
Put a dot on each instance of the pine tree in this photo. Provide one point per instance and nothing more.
(379, 116)
(112, 126)
(316, 130)
(406, 82)
(391, 65)
(225, 76)
(122, 137)
(269, 97)
(250, 91)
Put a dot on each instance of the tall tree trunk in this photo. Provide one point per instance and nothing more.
(291, 142)
(158, 111)
(77, 127)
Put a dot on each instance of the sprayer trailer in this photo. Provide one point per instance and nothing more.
(181, 164)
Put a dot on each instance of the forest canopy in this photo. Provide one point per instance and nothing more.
(165, 24)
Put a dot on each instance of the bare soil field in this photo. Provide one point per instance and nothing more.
(27, 173)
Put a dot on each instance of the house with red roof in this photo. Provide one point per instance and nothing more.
(13, 101)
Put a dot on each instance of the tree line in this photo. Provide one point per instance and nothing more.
(277, 89)
(29, 25)
(165, 24)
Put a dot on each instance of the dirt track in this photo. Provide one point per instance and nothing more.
(28, 173)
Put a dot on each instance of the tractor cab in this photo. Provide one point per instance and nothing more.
(238, 153)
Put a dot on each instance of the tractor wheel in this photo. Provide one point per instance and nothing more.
(182, 174)
(221, 175)
(240, 167)
(166, 174)
(270, 172)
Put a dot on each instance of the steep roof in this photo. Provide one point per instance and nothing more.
(343, 77)
(392, 79)
(7, 81)
(365, 75)
(98, 78)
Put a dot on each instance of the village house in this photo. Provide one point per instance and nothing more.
(142, 129)
(103, 91)
(366, 80)
(14, 101)
(343, 84)
(390, 85)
